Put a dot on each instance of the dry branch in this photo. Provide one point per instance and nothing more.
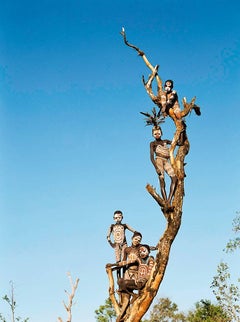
(68, 307)
(112, 291)
(187, 107)
(172, 214)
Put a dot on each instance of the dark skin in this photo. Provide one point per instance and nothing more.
(126, 285)
(153, 146)
(130, 255)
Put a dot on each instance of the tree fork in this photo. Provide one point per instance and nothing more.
(172, 214)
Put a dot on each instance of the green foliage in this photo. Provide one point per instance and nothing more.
(208, 312)
(165, 310)
(2, 318)
(227, 293)
(12, 303)
(106, 312)
(234, 243)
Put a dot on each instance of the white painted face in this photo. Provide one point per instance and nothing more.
(118, 218)
(136, 240)
(143, 252)
(157, 134)
(168, 87)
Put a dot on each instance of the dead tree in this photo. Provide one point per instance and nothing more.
(68, 307)
(158, 100)
(141, 303)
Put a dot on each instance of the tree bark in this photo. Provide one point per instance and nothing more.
(173, 223)
(172, 214)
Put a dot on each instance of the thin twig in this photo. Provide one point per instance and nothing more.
(68, 307)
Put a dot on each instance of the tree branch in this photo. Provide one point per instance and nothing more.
(173, 214)
(112, 290)
(148, 84)
(161, 202)
(68, 307)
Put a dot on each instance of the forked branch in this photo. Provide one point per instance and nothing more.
(172, 210)
(68, 307)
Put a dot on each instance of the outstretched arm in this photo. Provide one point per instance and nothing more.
(167, 141)
(130, 228)
(122, 263)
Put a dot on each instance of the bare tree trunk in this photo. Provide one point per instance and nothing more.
(173, 219)
(173, 214)
(143, 302)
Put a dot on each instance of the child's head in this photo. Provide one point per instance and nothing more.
(118, 216)
(144, 251)
(168, 85)
(156, 132)
(136, 238)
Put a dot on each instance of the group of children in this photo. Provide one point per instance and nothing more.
(135, 260)
(133, 263)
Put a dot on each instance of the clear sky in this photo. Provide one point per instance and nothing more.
(74, 146)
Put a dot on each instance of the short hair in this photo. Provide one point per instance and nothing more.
(136, 233)
(118, 212)
(169, 81)
(156, 128)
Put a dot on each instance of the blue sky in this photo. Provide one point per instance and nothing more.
(74, 146)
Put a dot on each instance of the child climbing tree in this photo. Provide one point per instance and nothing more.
(171, 155)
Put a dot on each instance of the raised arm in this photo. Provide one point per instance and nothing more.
(130, 228)
(123, 263)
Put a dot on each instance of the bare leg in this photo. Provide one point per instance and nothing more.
(163, 187)
(172, 188)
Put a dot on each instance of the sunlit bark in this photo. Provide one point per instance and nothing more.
(172, 214)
